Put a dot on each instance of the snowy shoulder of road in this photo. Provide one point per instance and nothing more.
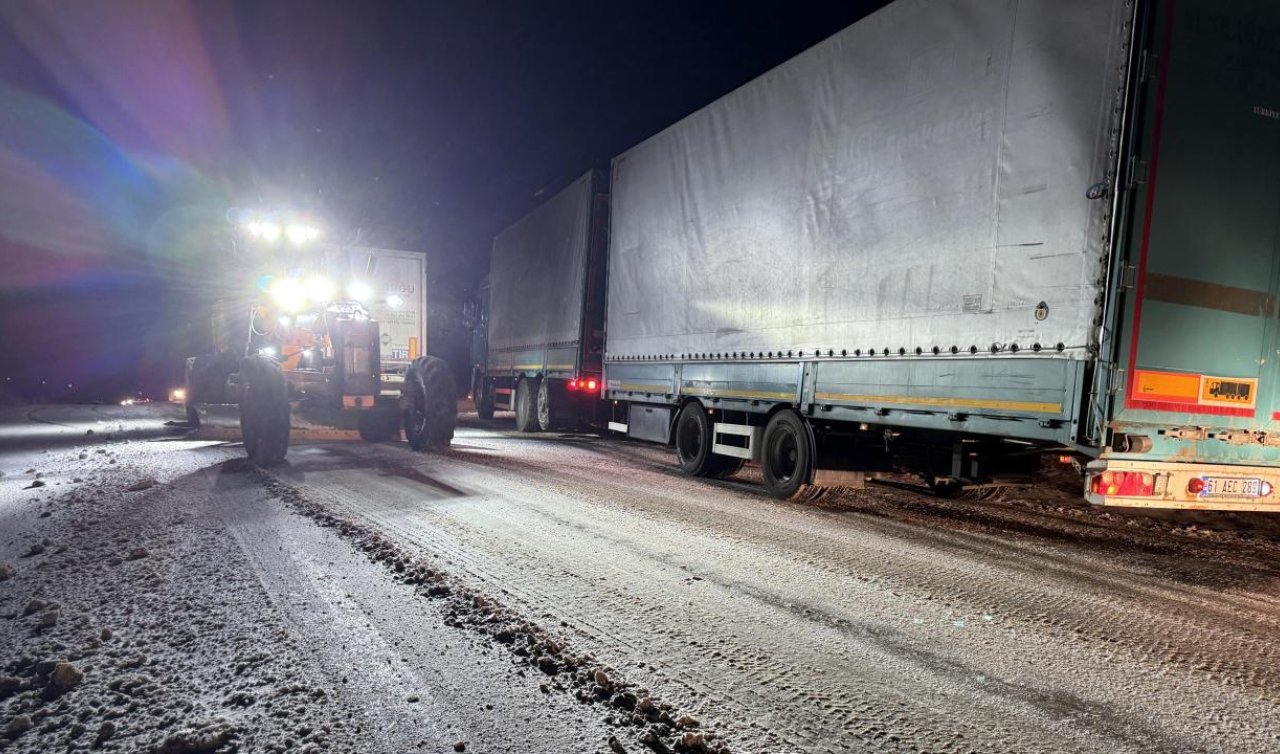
(155, 597)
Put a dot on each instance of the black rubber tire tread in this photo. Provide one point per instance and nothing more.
(431, 404)
(482, 395)
(527, 404)
(377, 425)
(264, 411)
(546, 406)
(786, 433)
(692, 422)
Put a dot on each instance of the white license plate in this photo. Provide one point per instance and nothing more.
(1223, 486)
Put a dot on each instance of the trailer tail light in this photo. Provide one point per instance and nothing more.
(588, 384)
(1195, 486)
(1123, 484)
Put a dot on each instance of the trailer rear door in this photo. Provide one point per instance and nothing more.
(1199, 347)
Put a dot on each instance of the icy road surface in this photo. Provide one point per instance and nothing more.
(877, 621)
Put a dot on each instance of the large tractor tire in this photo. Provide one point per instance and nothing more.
(527, 404)
(430, 403)
(693, 440)
(786, 460)
(482, 395)
(264, 411)
(378, 425)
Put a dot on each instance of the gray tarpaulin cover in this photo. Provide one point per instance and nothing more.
(917, 180)
(538, 273)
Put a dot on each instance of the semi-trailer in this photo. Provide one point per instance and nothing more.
(952, 238)
(542, 344)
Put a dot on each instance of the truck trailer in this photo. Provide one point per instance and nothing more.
(542, 344)
(957, 236)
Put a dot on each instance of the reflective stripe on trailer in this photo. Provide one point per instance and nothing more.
(1189, 486)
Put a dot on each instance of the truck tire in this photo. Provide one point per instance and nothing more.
(786, 460)
(527, 404)
(264, 411)
(693, 440)
(546, 418)
(378, 426)
(430, 403)
(482, 395)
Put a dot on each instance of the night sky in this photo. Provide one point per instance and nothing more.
(127, 130)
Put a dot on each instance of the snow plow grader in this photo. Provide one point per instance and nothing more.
(328, 342)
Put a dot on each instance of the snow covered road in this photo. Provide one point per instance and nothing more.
(882, 620)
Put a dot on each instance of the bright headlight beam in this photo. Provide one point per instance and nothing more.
(359, 290)
(299, 234)
(269, 232)
(320, 289)
(288, 294)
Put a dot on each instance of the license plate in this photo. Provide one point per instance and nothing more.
(1222, 486)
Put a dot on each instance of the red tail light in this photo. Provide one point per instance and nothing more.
(573, 385)
(1195, 486)
(591, 384)
(1123, 483)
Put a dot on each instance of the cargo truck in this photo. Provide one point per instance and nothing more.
(317, 343)
(540, 345)
(960, 235)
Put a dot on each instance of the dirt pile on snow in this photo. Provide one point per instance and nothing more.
(650, 723)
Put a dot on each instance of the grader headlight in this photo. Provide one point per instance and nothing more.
(288, 294)
(320, 289)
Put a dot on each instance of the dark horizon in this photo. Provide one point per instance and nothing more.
(129, 130)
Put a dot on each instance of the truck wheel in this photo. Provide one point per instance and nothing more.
(482, 394)
(378, 426)
(544, 405)
(526, 404)
(431, 404)
(787, 456)
(693, 440)
(264, 411)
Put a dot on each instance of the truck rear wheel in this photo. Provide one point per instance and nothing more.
(787, 457)
(264, 411)
(545, 420)
(693, 440)
(430, 403)
(527, 390)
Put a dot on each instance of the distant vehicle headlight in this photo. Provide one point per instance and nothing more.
(178, 395)
(268, 351)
